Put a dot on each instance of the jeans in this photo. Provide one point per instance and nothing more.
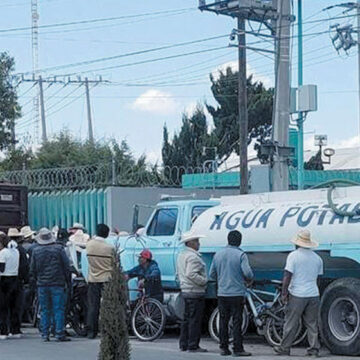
(94, 298)
(190, 331)
(8, 292)
(308, 310)
(52, 304)
(231, 307)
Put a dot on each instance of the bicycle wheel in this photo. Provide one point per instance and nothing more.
(214, 324)
(148, 320)
(274, 328)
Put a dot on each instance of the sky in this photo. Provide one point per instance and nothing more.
(144, 91)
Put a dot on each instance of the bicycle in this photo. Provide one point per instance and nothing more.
(146, 316)
(266, 311)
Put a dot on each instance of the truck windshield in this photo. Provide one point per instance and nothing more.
(197, 211)
(163, 223)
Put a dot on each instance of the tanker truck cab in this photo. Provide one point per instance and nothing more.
(163, 231)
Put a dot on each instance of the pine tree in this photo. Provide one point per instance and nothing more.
(115, 343)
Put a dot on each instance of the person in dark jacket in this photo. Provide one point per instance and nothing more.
(50, 270)
(148, 274)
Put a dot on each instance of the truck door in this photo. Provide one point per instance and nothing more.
(160, 238)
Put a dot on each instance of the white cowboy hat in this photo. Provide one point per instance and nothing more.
(303, 239)
(77, 226)
(79, 238)
(188, 236)
(45, 237)
(13, 232)
(26, 232)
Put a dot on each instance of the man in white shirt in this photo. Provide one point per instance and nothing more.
(301, 295)
(9, 268)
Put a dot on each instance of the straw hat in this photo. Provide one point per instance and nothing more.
(188, 236)
(303, 239)
(13, 232)
(45, 237)
(79, 238)
(26, 232)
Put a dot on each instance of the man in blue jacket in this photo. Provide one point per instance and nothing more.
(50, 270)
(148, 274)
(230, 268)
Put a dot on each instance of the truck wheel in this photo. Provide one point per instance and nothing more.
(340, 317)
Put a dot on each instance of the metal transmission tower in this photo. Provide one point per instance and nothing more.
(35, 62)
(276, 16)
(343, 39)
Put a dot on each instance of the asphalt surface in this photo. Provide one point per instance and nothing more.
(30, 347)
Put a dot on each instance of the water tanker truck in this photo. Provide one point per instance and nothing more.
(268, 222)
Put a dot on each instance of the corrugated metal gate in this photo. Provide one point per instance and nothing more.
(63, 208)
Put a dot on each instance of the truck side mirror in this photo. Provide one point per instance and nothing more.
(140, 232)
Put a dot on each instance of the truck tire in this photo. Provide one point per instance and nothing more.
(340, 317)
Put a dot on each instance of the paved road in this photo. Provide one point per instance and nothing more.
(31, 348)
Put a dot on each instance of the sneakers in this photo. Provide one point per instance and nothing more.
(241, 353)
(198, 350)
(16, 336)
(313, 354)
(3, 337)
(225, 352)
(280, 351)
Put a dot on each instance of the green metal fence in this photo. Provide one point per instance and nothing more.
(63, 208)
(232, 179)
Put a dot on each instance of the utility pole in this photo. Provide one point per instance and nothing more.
(35, 59)
(86, 83)
(358, 43)
(280, 171)
(90, 126)
(300, 121)
(242, 106)
(251, 10)
(66, 81)
(42, 111)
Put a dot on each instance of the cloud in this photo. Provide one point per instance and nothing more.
(267, 81)
(348, 143)
(156, 102)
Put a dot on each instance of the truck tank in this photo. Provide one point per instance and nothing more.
(269, 221)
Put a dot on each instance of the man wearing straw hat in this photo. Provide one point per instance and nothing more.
(300, 293)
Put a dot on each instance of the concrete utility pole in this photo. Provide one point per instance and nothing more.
(42, 111)
(300, 121)
(280, 171)
(242, 106)
(358, 42)
(90, 126)
(64, 82)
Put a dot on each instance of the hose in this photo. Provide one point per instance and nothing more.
(334, 208)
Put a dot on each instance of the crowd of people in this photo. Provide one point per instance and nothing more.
(231, 272)
(44, 262)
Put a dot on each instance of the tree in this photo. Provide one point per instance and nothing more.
(9, 107)
(186, 147)
(315, 162)
(114, 343)
(225, 115)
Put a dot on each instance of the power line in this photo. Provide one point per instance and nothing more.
(133, 53)
(92, 21)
